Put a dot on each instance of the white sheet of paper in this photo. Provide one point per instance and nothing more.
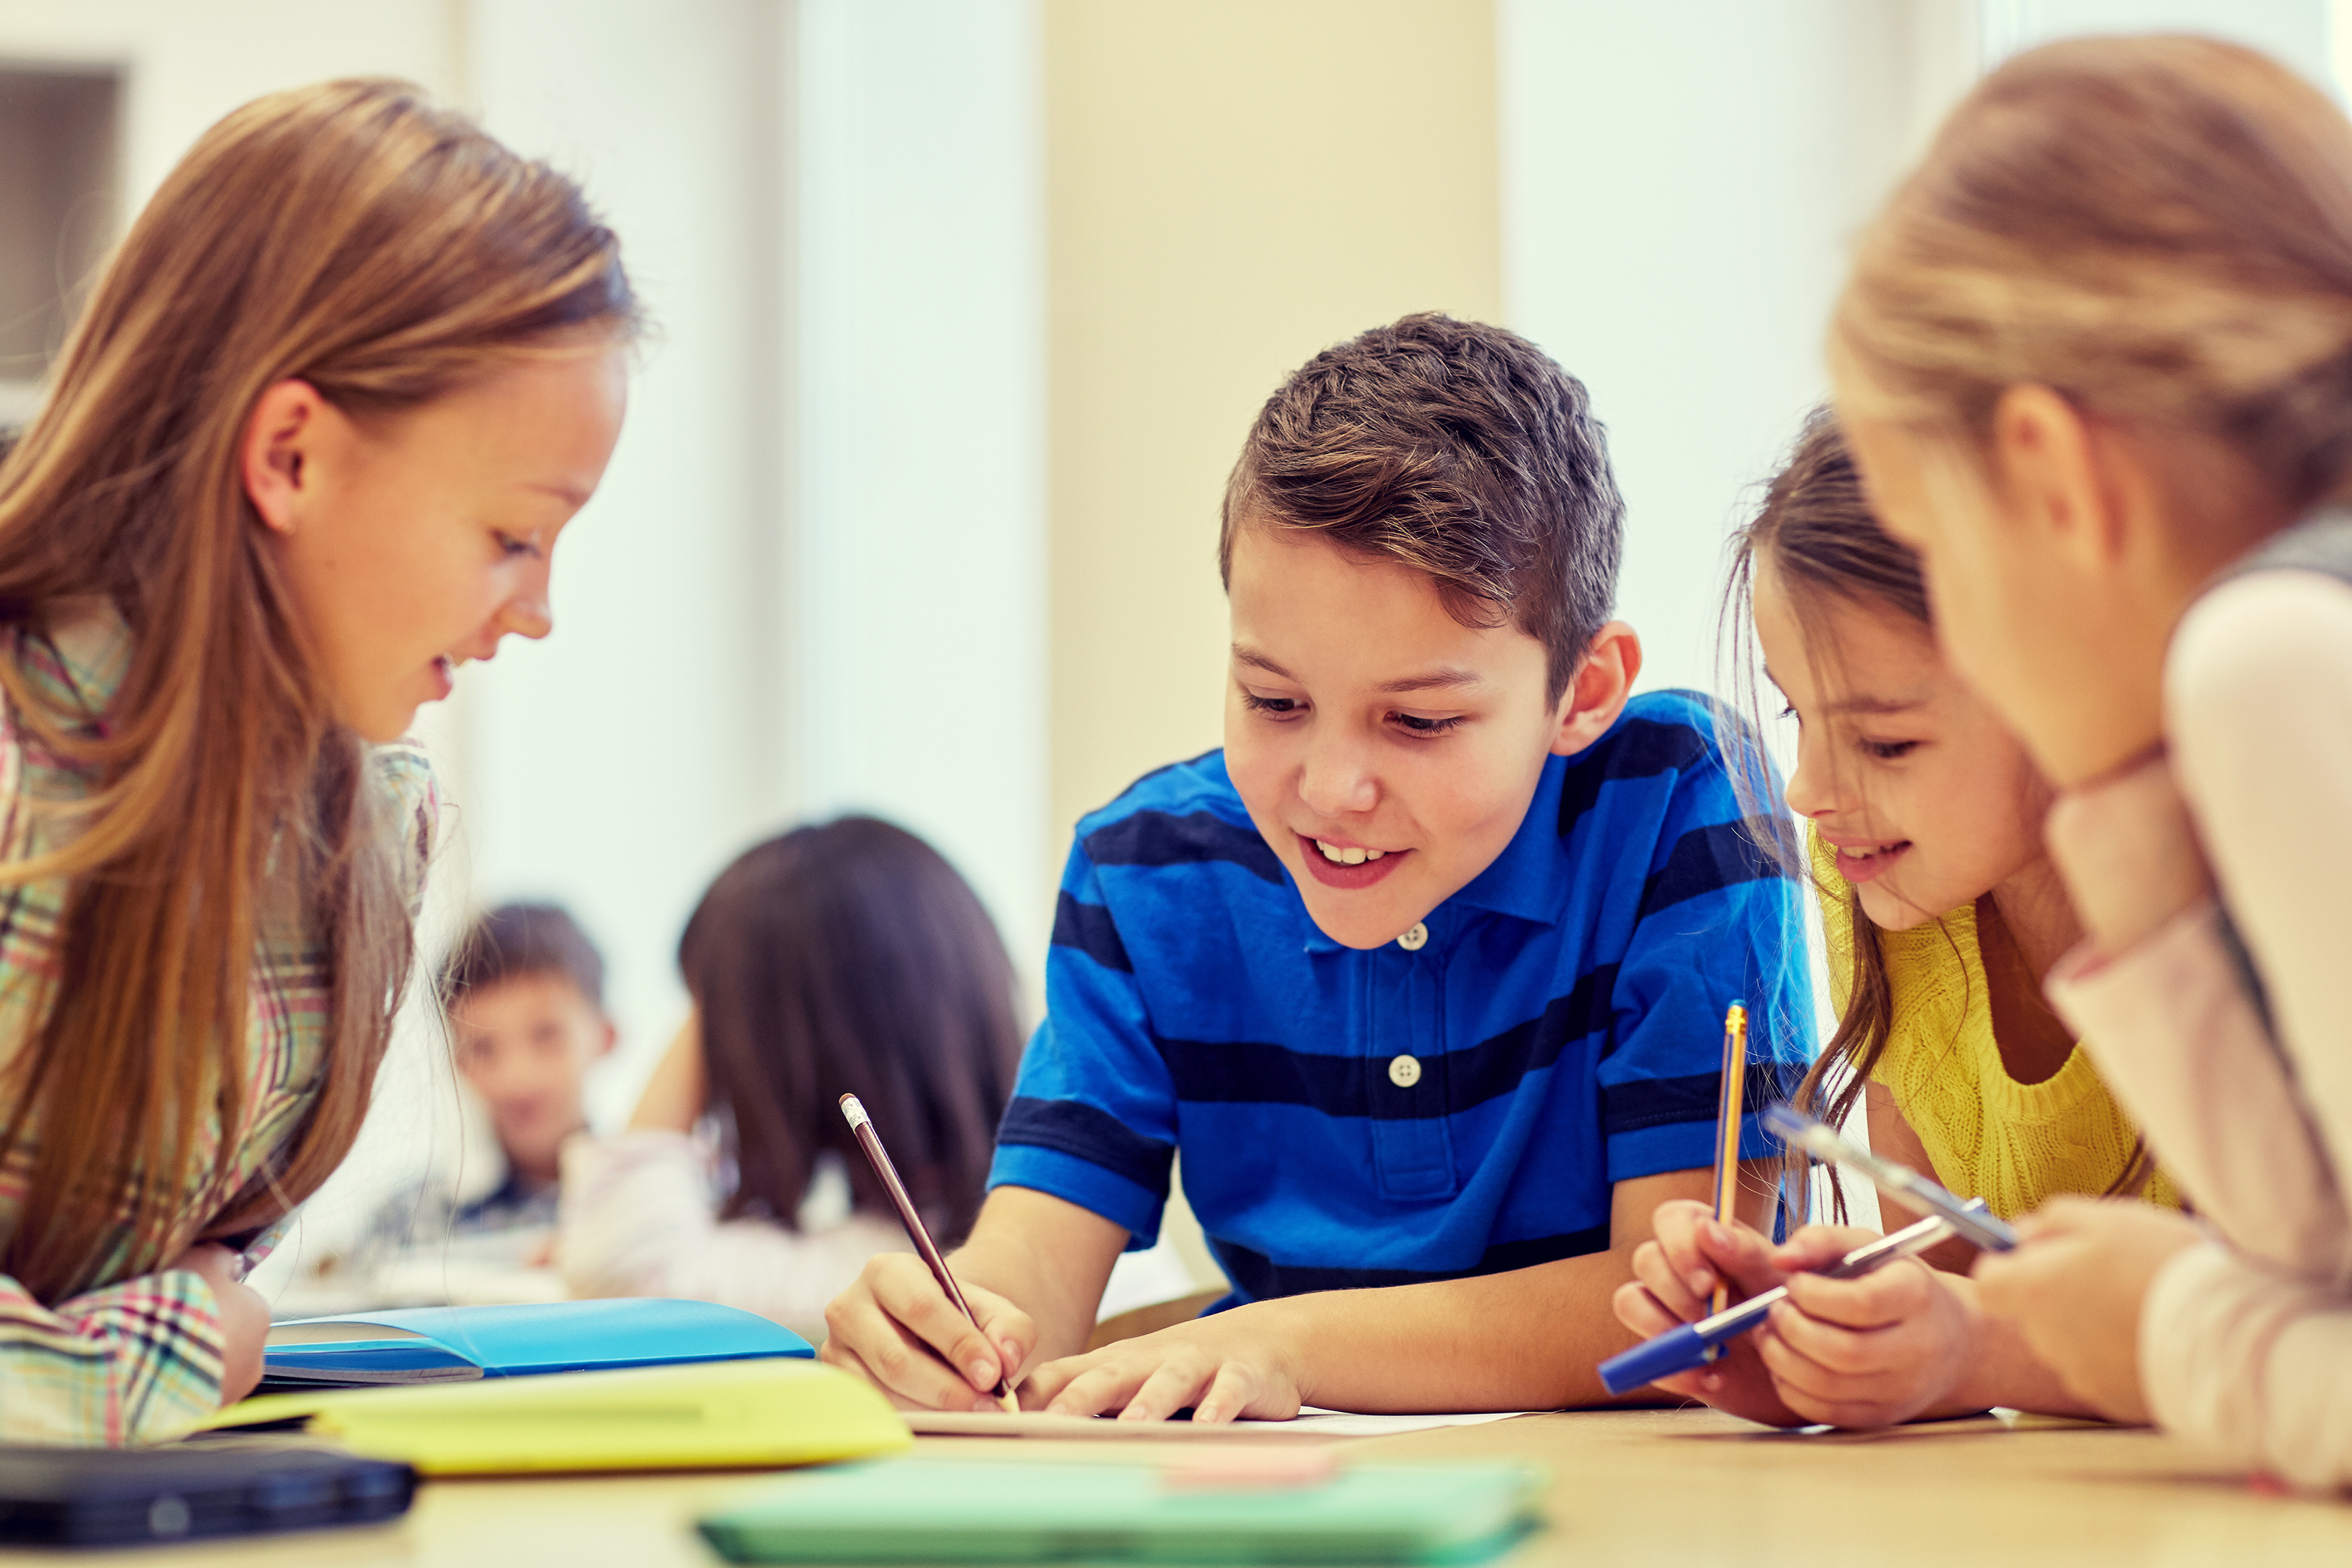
(1326, 1426)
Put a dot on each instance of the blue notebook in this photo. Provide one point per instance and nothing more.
(455, 1345)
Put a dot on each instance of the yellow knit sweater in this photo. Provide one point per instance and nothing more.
(2013, 1144)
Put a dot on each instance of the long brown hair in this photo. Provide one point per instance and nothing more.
(386, 251)
(850, 958)
(1825, 544)
(2158, 228)
(1816, 529)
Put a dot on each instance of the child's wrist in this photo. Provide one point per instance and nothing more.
(2126, 847)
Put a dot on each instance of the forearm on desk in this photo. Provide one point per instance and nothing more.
(2253, 1365)
(2002, 1369)
(1530, 1339)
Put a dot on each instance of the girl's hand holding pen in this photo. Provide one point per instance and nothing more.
(1675, 1276)
(1876, 1351)
(1868, 1351)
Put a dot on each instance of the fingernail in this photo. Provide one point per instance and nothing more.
(1702, 1283)
(983, 1375)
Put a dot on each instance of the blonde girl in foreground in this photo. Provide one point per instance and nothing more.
(309, 447)
(2095, 360)
(1942, 911)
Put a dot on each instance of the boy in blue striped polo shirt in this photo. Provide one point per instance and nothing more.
(1423, 975)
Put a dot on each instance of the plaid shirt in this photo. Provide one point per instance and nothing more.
(138, 1359)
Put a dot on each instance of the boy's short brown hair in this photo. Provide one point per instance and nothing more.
(1461, 451)
(518, 939)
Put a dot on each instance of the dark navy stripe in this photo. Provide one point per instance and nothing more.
(1159, 838)
(1255, 1073)
(1089, 928)
(1091, 1135)
(1262, 1279)
(1708, 859)
(1644, 1103)
(1644, 748)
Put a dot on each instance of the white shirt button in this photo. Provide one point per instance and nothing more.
(1414, 941)
(1404, 1071)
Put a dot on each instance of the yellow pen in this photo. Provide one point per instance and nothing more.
(861, 1126)
(1729, 1109)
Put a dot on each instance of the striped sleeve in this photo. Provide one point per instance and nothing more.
(1093, 1115)
(137, 1361)
(1719, 921)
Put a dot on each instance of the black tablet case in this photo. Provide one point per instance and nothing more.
(100, 1497)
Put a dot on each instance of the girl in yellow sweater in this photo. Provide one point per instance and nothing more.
(1942, 914)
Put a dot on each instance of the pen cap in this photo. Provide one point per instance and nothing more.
(1677, 1350)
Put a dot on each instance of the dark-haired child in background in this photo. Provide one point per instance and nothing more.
(847, 958)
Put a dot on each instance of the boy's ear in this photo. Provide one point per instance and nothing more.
(275, 460)
(612, 1038)
(1597, 692)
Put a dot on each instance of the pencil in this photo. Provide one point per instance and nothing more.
(1729, 1109)
(861, 1126)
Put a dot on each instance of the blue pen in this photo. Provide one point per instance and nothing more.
(1694, 1344)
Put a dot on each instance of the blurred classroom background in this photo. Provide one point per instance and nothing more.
(962, 308)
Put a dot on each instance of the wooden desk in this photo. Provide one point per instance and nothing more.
(1630, 1487)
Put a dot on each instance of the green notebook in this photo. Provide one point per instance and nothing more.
(933, 1511)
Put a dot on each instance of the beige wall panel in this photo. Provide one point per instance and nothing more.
(1232, 185)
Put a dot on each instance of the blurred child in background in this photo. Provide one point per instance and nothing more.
(842, 958)
(524, 990)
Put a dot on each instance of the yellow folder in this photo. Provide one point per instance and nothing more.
(704, 1416)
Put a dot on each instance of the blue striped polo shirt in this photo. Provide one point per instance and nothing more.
(1565, 1016)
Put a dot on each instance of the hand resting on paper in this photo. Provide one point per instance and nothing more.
(1223, 1367)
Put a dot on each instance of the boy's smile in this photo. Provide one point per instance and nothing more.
(1337, 863)
(1385, 751)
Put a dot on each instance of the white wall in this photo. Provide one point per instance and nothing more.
(1678, 183)
(918, 608)
(2297, 31)
(189, 65)
(619, 763)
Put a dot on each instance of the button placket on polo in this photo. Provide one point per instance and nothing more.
(1413, 1153)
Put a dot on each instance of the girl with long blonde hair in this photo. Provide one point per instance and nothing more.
(2096, 361)
(307, 448)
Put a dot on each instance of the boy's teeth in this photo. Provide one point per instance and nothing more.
(1349, 856)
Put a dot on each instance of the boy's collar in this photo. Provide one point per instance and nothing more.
(1528, 881)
